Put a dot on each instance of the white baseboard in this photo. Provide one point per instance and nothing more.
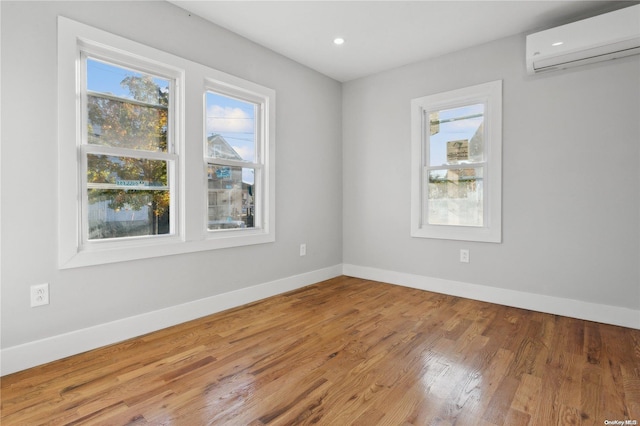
(39, 352)
(607, 314)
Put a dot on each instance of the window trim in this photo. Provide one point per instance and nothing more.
(190, 182)
(489, 94)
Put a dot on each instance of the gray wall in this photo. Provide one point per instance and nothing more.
(308, 145)
(570, 176)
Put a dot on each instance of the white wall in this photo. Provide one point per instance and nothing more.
(570, 182)
(308, 176)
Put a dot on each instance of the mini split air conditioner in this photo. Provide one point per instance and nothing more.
(609, 36)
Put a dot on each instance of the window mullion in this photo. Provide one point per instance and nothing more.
(457, 166)
(126, 100)
(128, 188)
(126, 152)
(231, 163)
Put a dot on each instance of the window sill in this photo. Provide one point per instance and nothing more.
(458, 233)
(127, 252)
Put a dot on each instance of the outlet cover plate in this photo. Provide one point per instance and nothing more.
(39, 295)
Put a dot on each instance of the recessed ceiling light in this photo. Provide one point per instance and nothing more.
(338, 41)
(557, 43)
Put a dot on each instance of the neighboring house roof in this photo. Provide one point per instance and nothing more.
(218, 147)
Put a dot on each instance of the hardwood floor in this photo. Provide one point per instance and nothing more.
(341, 352)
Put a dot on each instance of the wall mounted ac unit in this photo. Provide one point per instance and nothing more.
(608, 36)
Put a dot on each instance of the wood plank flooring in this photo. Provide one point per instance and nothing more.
(346, 352)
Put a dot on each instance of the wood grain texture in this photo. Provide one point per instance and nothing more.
(345, 352)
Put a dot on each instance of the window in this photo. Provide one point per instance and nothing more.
(233, 155)
(128, 152)
(238, 159)
(456, 164)
(132, 180)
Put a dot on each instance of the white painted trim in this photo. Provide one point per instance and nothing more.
(607, 314)
(39, 352)
(489, 94)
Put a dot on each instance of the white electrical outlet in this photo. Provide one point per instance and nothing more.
(464, 255)
(39, 295)
(303, 249)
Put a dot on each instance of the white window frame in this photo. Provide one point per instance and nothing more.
(264, 222)
(172, 157)
(489, 94)
(188, 178)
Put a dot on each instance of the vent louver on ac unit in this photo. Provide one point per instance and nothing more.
(608, 36)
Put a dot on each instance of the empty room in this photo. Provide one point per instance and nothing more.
(320, 212)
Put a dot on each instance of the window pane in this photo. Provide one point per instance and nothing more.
(126, 172)
(456, 135)
(455, 197)
(125, 125)
(115, 213)
(106, 78)
(127, 197)
(230, 197)
(125, 108)
(231, 128)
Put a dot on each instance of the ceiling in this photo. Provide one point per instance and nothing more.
(381, 35)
